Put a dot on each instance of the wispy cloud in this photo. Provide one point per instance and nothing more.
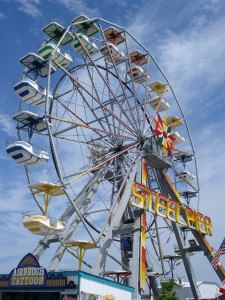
(2, 16)
(191, 57)
(7, 125)
(210, 147)
(80, 7)
(195, 59)
(30, 7)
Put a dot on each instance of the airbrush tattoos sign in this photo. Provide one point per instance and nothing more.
(28, 276)
(28, 273)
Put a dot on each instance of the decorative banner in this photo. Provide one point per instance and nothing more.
(165, 138)
(143, 235)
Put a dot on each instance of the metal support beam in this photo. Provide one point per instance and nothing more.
(123, 229)
(85, 195)
(167, 190)
(101, 257)
(208, 254)
(135, 270)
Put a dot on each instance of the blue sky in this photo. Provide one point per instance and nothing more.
(186, 37)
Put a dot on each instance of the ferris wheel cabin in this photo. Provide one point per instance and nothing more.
(31, 92)
(111, 49)
(42, 225)
(81, 43)
(24, 154)
(64, 60)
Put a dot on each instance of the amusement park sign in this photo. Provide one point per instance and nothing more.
(28, 276)
(170, 209)
(28, 273)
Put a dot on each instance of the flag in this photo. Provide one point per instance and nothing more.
(222, 288)
(216, 257)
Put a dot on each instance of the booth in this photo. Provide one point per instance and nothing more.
(30, 281)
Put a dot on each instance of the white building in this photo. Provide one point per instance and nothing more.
(208, 291)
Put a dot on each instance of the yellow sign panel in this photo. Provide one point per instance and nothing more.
(167, 208)
(109, 297)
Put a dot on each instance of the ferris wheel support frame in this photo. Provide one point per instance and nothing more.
(86, 193)
(108, 239)
(204, 245)
(82, 203)
(166, 190)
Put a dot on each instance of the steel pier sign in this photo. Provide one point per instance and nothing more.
(149, 200)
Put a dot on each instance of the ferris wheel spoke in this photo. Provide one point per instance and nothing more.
(96, 99)
(74, 123)
(137, 101)
(89, 168)
(122, 110)
(58, 132)
(106, 117)
(65, 109)
(145, 96)
(96, 130)
(61, 95)
(92, 111)
(102, 163)
(106, 82)
(121, 83)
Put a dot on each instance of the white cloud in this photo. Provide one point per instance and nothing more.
(211, 158)
(212, 6)
(2, 16)
(80, 7)
(30, 7)
(192, 51)
(194, 60)
(208, 9)
(7, 125)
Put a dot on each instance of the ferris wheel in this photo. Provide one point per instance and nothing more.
(121, 162)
